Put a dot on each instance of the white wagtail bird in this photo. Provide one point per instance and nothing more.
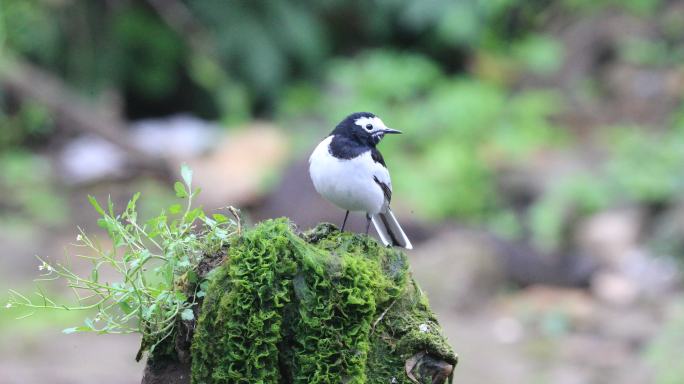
(348, 170)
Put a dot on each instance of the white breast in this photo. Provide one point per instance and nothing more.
(349, 184)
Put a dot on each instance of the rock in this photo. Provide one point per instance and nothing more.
(640, 275)
(508, 330)
(614, 288)
(459, 268)
(175, 136)
(654, 275)
(90, 158)
(293, 331)
(611, 235)
(166, 372)
(526, 265)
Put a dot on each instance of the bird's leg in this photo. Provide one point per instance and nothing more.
(345, 221)
(368, 221)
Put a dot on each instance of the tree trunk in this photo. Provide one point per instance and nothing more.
(317, 307)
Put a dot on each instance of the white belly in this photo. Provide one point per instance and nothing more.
(349, 184)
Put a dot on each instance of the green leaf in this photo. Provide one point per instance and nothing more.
(71, 330)
(133, 201)
(96, 205)
(187, 315)
(110, 205)
(219, 218)
(125, 307)
(194, 214)
(184, 262)
(180, 190)
(192, 276)
(174, 209)
(102, 223)
(186, 173)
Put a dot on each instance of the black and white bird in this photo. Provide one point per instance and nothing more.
(348, 170)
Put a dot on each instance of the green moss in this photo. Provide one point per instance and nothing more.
(327, 307)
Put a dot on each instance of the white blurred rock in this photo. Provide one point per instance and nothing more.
(610, 235)
(655, 275)
(175, 136)
(614, 288)
(89, 158)
(507, 330)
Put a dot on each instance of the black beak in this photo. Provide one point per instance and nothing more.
(390, 130)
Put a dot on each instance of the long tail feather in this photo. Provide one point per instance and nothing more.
(389, 230)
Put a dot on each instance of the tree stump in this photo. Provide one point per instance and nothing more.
(318, 307)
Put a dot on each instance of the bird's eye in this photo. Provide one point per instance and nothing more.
(369, 127)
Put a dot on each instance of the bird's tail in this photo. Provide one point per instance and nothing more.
(389, 230)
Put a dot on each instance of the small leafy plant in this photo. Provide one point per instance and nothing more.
(155, 264)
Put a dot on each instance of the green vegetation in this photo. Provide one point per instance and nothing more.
(642, 169)
(327, 307)
(29, 193)
(234, 57)
(155, 262)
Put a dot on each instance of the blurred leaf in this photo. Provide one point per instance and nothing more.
(540, 54)
(175, 208)
(149, 52)
(180, 190)
(187, 314)
(186, 174)
(647, 52)
(96, 205)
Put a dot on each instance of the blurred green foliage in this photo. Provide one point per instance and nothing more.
(247, 51)
(28, 192)
(28, 122)
(638, 7)
(641, 169)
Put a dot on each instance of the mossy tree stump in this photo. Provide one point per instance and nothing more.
(320, 307)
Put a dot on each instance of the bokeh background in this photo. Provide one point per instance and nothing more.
(541, 173)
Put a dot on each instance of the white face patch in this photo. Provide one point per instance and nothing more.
(376, 124)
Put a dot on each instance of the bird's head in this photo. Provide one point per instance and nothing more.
(363, 127)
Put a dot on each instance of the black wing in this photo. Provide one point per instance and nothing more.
(385, 189)
(377, 157)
